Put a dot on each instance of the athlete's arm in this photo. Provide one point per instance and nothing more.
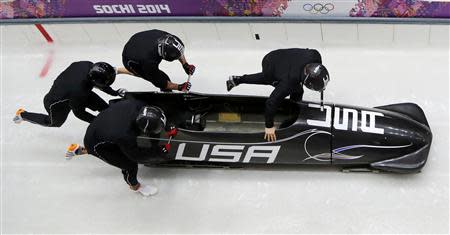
(182, 59)
(108, 90)
(123, 70)
(171, 86)
(274, 102)
(188, 68)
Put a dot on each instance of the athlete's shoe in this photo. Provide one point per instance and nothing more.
(147, 190)
(232, 82)
(18, 118)
(74, 150)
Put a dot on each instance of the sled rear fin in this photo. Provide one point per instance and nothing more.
(409, 109)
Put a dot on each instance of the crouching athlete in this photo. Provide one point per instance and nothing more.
(288, 70)
(144, 52)
(112, 137)
(72, 90)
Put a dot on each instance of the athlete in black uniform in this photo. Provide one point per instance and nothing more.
(72, 90)
(144, 52)
(112, 137)
(287, 70)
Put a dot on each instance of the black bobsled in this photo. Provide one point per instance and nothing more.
(227, 130)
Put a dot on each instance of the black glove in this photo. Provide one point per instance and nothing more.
(184, 86)
(189, 68)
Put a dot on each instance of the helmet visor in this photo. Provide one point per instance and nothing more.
(171, 54)
(156, 128)
(315, 84)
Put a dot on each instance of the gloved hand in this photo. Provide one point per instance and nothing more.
(122, 92)
(172, 132)
(184, 86)
(147, 190)
(189, 68)
(165, 148)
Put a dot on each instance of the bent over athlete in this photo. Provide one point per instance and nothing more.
(72, 90)
(112, 137)
(287, 70)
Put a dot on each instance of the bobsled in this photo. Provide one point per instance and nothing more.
(228, 130)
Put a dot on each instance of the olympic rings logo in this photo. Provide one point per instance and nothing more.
(318, 7)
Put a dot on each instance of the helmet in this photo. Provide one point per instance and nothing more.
(170, 48)
(102, 74)
(317, 77)
(151, 120)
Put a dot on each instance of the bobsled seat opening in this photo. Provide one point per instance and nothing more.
(244, 116)
(210, 113)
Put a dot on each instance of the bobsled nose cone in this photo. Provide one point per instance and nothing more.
(406, 124)
(420, 137)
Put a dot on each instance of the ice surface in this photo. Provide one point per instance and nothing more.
(44, 193)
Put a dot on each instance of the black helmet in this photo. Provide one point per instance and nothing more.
(317, 77)
(170, 48)
(151, 120)
(102, 74)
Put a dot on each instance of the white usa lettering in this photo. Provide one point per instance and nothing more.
(342, 122)
(230, 153)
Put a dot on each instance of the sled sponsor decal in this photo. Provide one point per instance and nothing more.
(367, 123)
(230, 153)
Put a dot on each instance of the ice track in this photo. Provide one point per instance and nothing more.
(44, 193)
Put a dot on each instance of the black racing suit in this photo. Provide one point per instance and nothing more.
(71, 90)
(112, 137)
(140, 56)
(282, 69)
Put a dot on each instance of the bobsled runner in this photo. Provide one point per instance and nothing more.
(227, 130)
